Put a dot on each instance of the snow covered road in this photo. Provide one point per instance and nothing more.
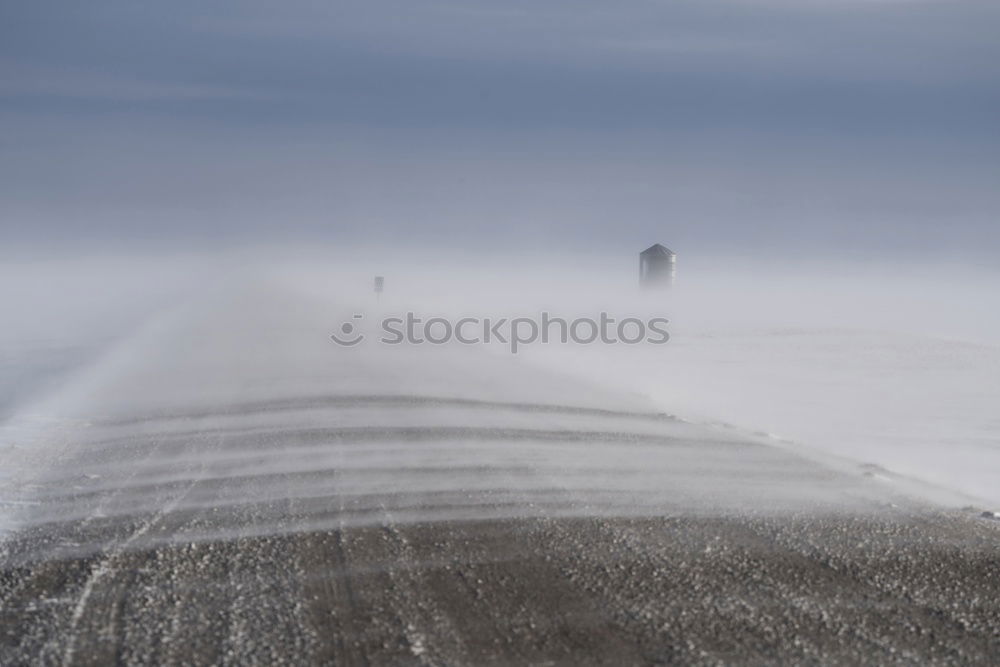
(234, 488)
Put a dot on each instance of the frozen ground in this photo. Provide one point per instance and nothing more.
(244, 382)
(915, 404)
(224, 484)
(891, 366)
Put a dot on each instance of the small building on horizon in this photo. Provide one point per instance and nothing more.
(657, 266)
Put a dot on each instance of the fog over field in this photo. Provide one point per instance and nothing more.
(221, 442)
(884, 371)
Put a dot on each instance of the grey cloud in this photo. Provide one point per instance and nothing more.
(872, 124)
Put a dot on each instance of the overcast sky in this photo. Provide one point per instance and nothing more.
(870, 127)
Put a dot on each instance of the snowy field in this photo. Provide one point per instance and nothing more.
(860, 365)
(895, 366)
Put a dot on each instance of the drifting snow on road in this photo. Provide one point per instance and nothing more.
(196, 423)
(230, 486)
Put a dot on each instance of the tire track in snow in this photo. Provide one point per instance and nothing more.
(105, 566)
